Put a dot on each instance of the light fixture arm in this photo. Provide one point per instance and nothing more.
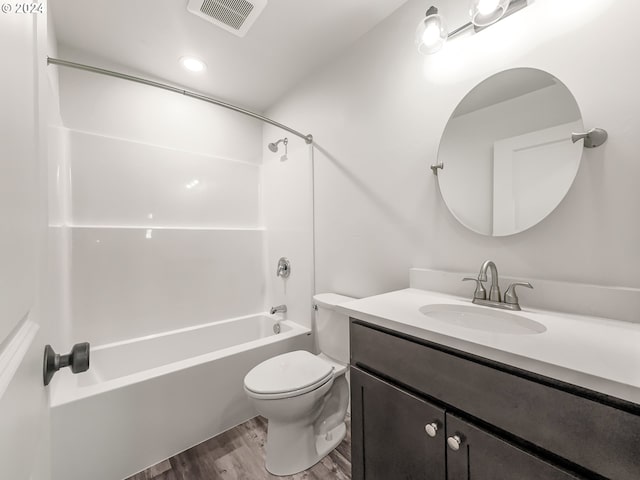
(460, 29)
(478, 23)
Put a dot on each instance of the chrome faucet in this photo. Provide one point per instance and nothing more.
(494, 292)
(279, 308)
(510, 302)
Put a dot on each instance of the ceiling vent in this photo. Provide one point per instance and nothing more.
(235, 16)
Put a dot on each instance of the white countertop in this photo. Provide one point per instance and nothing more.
(595, 353)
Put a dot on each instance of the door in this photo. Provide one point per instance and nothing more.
(394, 434)
(531, 175)
(473, 454)
(24, 445)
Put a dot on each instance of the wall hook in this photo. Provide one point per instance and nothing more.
(436, 167)
(592, 139)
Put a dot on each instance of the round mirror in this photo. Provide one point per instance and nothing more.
(506, 152)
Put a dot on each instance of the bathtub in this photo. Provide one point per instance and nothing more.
(146, 399)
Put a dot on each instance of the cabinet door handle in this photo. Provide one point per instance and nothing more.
(431, 429)
(455, 441)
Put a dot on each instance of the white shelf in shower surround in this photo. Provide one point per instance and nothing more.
(256, 163)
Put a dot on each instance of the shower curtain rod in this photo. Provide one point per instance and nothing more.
(204, 98)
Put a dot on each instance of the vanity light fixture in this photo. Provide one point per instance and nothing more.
(432, 33)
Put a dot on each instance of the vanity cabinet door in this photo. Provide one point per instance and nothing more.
(395, 436)
(473, 454)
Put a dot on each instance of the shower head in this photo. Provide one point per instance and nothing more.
(274, 146)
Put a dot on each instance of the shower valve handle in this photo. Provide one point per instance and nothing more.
(284, 268)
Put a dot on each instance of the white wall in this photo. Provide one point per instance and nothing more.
(377, 114)
(162, 196)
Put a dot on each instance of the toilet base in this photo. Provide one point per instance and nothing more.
(287, 457)
(326, 443)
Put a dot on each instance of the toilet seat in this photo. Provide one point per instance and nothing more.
(288, 375)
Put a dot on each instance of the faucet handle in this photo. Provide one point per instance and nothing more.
(510, 296)
(480, 292)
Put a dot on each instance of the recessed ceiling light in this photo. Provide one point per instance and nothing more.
(192, 64)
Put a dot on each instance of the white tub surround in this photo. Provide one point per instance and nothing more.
(158, 186)
(146, 399)
(289, 223)
(164, 211)
(598, 354)
(133, 282)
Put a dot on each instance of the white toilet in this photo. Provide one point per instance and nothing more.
(304, 396)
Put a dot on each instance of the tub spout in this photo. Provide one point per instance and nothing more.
(279, 308)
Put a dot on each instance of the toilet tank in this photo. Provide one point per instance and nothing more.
(332, 327)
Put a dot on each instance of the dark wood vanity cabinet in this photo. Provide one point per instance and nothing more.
(500, 424)
(390, 429)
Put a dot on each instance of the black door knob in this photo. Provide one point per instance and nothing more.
(77, 359)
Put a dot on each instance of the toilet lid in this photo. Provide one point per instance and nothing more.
(287, 373)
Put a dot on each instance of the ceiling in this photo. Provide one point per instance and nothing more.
(288, 41)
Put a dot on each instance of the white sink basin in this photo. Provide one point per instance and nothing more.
(485, 319)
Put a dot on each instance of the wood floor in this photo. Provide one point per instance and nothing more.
(238, 454)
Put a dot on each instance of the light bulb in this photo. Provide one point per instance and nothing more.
(431, 33)
(485, 12)
(485, 7)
